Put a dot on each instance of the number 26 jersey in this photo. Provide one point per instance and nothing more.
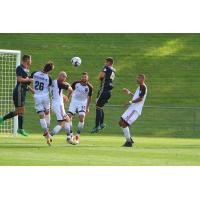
(41, 83)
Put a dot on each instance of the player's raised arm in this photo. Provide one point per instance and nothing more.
(101, 75)
(127, 91)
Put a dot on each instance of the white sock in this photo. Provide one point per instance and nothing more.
(43, 124)
(67, 128)
(56, 129)
(80, 127)
(48, 119)
(127, 133)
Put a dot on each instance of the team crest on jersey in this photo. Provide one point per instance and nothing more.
(86, 89)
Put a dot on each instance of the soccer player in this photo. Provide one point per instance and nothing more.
(41, 83)
(19, 94)
(106, 78)
(58, 105)
(134, 110)
(80, 101)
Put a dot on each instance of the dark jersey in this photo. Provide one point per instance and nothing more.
(107, 82)
(24, 73)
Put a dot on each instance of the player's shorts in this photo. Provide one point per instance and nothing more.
(42, 103)
(59, 111)
(102, 98)
(77, 107)
(19, 97)
(130, 115)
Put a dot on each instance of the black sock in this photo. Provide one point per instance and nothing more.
(98, 117)
(9, 115)
(102, 117)
(20, 121)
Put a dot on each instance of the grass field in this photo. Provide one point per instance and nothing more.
(98, 150)
(163, 136)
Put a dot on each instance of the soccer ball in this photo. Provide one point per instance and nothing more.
(76, 61)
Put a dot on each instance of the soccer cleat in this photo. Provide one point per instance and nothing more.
(77, 139)
(71, 140)
(1, 120)
(49, 141)
(132, 141)
(48, 137)
(127, 144)
(22, 132)
(102, 126)
(95, 129)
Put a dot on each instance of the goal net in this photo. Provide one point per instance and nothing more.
(9, 59)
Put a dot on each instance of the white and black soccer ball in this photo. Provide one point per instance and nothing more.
(76, 61)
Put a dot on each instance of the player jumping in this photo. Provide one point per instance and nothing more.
(80, 101)
(41, 83)
(106, 77)
(58, 105)
(19, 94)
(134, 110)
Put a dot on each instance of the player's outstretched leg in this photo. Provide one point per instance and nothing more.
(125, 127)
(80, 127)
(70, 138)
(47, 118)
(102, 125)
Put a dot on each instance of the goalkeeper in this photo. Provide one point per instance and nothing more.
(19, 93)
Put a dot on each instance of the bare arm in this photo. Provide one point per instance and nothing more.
(88, 103)
(127, 91)
(31, 90)
(24, 80)
(101, 75)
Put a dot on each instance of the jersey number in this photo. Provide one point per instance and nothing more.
(112, 76)
(39, 85)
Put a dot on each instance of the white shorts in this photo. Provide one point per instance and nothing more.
(130, 115)
(42, 103)
(77, 107)
(59, 111)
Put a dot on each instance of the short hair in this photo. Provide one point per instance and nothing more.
(85, 73)
(48, 67)
(110, 59)
(142, 75)
(62, 73)
(26, 57)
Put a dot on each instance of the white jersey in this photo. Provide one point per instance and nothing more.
(141, 91)
(57, 91)
(41, 83)
(81, 92)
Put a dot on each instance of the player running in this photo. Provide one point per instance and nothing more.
(80, 101)
(41, 83)
(134, 110)
(19, 94)
(105, 92)
(58, 105)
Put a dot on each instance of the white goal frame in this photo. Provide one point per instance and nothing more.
(18, 58)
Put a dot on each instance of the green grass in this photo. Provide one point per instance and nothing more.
(98, 150)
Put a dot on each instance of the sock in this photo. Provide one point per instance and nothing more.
(67, 128)
(47, 119)
(127, 134)
(56, 130)
(71, 127)
(9, 115)
(102, 117)
(20, 121)
(80, 127)
(98, 117)
(43, 124)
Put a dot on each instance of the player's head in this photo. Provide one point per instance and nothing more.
(109, 61)
(62, 76)
(48, 67)
(84, 77)
(26, 59)
(140, 78)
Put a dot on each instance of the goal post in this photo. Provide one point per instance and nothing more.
(9, 60)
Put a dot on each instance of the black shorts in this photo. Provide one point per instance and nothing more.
(19, 97)
(102, 98)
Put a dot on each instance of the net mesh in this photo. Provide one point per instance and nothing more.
(7, 82)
